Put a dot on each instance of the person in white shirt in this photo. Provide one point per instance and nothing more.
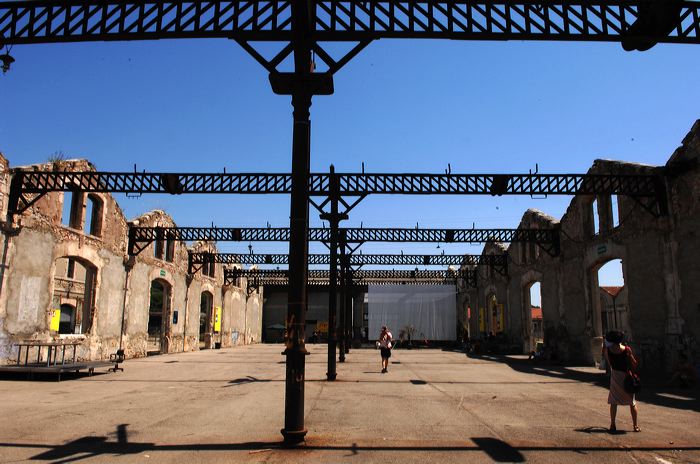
(385, 348)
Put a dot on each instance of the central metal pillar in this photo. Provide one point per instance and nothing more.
(295, 351)
(301, 92)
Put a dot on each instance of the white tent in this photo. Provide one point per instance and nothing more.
(430, 309)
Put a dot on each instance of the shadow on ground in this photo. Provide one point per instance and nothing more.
(653, 392)
(91, 446)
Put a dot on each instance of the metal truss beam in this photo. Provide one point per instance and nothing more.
(196, 260)
(24, 22)
(141, 237)
(257, 277)
(28, 186)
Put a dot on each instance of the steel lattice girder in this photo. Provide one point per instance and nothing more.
(500, 262)
(45, 21)
(28, 186)
(257, 277)
(141, 237)
(355, 259)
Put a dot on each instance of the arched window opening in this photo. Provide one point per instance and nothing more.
(75, 281)
(72, 209)
(169, 249)
(596, 218)
(212, 267)
(615, 211)
(205, 325)
(612, 297)
(158, 249)
(93, 216)
(158, 314)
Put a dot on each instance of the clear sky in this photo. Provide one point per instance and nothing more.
(400, 106)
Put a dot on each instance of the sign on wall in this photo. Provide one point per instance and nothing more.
(55, 319)
(217, 319)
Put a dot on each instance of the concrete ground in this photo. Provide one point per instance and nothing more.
(432, 406)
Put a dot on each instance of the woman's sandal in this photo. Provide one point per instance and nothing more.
(637, 429)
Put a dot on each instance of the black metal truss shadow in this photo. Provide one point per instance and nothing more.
(265, 277)
(500, 262)
(28, 186)
(141, 237)
(636, 24)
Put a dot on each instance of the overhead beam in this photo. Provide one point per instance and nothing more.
(28, 186)
(258, 277)
(26, 22)
(141, 237)
(198, 258)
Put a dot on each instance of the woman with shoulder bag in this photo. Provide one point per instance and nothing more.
(620, 359)
(385, 347)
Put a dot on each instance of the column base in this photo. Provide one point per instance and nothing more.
(293, 437)
(330, 377)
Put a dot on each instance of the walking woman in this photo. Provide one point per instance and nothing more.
(385, 348)
(620, 359)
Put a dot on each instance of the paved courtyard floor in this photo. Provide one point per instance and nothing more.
(432, 406)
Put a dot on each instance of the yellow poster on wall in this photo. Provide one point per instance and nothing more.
(55, 319)
(322, 327)
(499, 318)
(217, 319)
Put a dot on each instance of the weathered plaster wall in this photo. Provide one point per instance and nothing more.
(35, 240)
(659, 256)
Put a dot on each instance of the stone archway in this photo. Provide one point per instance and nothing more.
(158, 316)
(74, 292)
(206, 309)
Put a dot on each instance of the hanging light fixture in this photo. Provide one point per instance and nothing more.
(7, 60)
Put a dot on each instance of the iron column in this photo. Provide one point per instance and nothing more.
(333, 218)
(294, 431)
(341, 332)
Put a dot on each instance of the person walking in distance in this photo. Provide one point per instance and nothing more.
(385, 348)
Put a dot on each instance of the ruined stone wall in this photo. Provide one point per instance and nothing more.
(682, 271)
(659, 256)
(32, 288)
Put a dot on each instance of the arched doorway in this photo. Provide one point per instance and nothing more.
(533, 319)
(610, 297)
(158, 311)
(205, 323)
(75, 282)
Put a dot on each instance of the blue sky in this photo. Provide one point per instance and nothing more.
(400, 106)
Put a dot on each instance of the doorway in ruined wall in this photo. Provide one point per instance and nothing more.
(533, 319)
(75, 282)
(158, 311)
(205, 322)
(495, 315)
(610, 303)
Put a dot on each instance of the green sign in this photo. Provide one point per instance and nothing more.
(162, 272)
